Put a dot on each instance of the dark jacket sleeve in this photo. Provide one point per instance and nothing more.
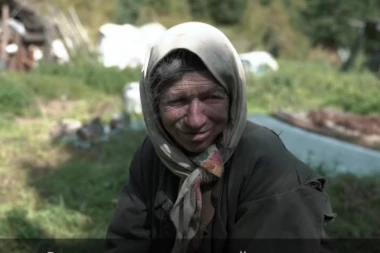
(291, 214)
(129, 230)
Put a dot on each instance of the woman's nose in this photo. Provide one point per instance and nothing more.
(195, 116)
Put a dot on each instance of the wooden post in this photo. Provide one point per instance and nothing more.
(78, 25)
(20, 54)
(355, 48)
(71, 30)
(5, 32)
(63, 38)
(48, 34)
(61, 30)
(65, 29)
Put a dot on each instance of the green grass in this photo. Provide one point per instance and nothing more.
(311, 85)
(71, 197)
(296, 86)
(49, 189)
(57, 191)
(22, 94)
(53, 190)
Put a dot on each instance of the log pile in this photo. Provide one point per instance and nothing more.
(363, 130)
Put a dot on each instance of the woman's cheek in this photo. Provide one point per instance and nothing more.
(219, 110)
(172, 114)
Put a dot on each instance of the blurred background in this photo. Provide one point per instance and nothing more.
(70, 115)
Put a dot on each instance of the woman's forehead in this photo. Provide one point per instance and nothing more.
(200, 80)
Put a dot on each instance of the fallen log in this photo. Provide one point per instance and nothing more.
(326, 126)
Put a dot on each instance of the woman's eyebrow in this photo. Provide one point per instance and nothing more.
(183, 90)
(216, 88)
(176, 91)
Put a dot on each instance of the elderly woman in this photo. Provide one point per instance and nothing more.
(205, 178)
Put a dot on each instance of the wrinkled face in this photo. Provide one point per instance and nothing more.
(194, 111)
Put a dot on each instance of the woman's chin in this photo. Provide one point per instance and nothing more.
(196, 147)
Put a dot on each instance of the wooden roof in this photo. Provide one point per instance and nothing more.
(33, 22)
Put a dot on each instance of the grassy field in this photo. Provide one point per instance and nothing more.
(50, 189)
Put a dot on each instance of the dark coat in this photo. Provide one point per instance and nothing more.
(266, 195)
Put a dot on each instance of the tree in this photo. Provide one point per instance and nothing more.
(226, 12)
(128, 11)
(198, 8)
(326, 22)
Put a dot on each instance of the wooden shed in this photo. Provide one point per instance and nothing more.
(22, 31)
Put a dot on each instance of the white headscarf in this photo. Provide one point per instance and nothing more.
(223, 62)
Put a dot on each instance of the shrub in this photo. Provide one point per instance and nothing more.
(226, 12)
(356, 201)
(326, 22)
(20, 91)
(271, 28)
(127, 11)
(198, 8)
(13, 96)
(94, 75)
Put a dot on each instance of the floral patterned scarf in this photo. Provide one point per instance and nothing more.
(209, 162)
(222, 60)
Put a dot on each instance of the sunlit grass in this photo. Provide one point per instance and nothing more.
(54, 190)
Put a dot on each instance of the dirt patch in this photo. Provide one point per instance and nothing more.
(106, 107)
(53, 109)
(56, 108)
(28, 121)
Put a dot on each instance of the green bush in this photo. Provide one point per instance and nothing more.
(94, 75)
(356, 201)
(270, 27)
(127, 11)
(13, 96)
(326, 22)
(19, 92)
(48, 86)
(358, 93)
(226, 12)
(198, 8)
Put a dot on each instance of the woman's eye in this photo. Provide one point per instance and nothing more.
(214, 97)
(177, 101)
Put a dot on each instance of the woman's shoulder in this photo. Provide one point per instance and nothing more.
(146, 158)
(259, 139)
(263, 161)
(146, 148)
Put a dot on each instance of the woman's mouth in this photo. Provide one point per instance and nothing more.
(198, 136)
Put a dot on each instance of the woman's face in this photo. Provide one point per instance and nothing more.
(194, 111)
